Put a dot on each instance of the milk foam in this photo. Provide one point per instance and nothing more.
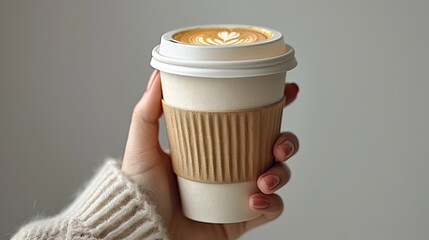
(222, 36)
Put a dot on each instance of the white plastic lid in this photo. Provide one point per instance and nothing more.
(221, 61)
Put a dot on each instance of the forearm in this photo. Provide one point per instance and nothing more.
(110, 207)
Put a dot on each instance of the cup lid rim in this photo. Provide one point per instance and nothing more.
(224, 69)
(228, 64)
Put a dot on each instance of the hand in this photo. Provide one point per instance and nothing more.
(150, 167)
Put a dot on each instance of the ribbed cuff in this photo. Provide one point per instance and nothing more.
(113, 207)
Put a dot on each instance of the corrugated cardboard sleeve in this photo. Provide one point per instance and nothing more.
(222, 147)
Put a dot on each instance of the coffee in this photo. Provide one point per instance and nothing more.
(222, 35)
(222, 89)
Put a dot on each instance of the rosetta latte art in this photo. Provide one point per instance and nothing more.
(222, 36)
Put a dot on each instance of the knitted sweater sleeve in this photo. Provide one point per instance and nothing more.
(110, 207)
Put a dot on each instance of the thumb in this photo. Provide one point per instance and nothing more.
(143, 133)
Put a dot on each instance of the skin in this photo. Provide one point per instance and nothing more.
(148, 165)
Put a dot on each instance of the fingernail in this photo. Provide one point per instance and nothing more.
(271, 181)
(287, 148)
(261, 202)
(296, 87)
(152, 79)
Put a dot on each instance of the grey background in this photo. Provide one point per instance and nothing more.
(71, 72)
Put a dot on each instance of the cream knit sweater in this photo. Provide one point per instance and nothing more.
(110, 207)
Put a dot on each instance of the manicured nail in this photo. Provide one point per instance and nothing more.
(287, 148)
(261, 202)
(271, 181)
(296, 87)
(152, 79)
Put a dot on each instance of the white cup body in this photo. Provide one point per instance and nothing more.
(209, 202)
(222, 94)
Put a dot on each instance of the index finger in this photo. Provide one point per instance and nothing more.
(291, 92)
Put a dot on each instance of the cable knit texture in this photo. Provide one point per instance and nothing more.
(110, 207)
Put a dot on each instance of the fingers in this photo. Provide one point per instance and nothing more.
(267, 203)
(271, 206)
(279, 174)
(291, 92)
(143, 133)
(285, 146)
(274, 178)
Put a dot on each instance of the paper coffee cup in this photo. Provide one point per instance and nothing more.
(223, 108)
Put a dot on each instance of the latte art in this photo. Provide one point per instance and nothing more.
(222, 36)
